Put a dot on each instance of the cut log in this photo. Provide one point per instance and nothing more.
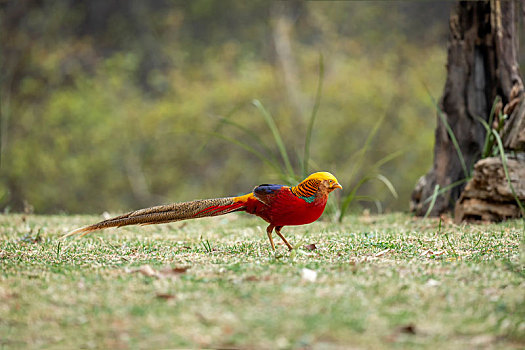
(487, 196)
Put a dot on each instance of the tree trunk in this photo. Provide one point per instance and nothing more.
(481, 64)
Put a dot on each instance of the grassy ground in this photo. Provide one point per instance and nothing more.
(371, 283)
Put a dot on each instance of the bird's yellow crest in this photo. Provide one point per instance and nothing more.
(321, 175)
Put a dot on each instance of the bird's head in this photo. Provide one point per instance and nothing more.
(327, 182)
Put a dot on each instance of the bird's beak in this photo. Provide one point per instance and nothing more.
(336, 185)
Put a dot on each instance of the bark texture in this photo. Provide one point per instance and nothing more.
(481, 64)
(514, 129)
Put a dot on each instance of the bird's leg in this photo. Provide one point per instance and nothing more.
(269, 230)
(278, 231)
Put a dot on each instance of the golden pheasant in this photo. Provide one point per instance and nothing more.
(277, 204)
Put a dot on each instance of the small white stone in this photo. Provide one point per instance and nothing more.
(308, 275)
(432, 283)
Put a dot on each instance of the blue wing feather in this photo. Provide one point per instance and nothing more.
(265, 192)
(267, 188)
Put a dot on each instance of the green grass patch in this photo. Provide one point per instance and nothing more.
(378, 282)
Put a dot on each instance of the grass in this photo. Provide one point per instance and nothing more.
(382, 282)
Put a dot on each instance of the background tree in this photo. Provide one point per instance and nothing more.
(482, 64)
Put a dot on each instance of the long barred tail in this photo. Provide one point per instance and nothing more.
(168, 213)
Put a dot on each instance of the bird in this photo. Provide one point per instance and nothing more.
(278, 205)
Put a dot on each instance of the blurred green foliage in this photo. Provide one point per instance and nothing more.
(110, 105)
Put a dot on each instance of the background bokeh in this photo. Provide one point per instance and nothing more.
(116, 105)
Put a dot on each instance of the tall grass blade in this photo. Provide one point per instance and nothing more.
(253, 136)
(277, 137)
(350, 197)
(207, 246)
(219, 126)
(487, 146)
(379, 206)
(455, 143)
(450, 134)
(388, 184)
(451, 245)
(489, 139)
(360, 154)
(485, 125)
(433, 202)
(387, 158)
(374, 200)
(353, 194)
(317, 103)
(446, 189)
(59, 246)
(253, 151)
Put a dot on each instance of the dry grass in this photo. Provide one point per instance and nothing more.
(378, 282)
